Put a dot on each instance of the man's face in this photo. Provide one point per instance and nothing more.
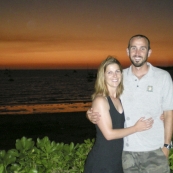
(138, 51)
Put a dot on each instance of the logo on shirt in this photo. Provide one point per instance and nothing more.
(150, 88)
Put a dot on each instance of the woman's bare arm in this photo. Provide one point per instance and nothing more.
(100, 104)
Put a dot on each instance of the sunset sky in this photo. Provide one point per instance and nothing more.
(81, 33)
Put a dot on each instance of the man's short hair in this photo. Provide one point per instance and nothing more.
(142, 36)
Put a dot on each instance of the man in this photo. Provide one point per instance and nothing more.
(148, 92)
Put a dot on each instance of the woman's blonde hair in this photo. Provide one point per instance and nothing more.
(100, 85)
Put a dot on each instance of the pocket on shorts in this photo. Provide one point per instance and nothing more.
(162, 154)
(127, 160)
(162, 160)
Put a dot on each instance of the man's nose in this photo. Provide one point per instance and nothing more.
(137, 52)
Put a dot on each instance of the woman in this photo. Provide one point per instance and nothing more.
(105, 156)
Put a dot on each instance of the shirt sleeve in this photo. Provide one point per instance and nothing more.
(167, 92)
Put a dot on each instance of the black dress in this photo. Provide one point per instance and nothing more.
(106, 155)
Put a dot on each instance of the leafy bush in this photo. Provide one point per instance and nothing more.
(48, 157)
(171, 160)
(45, 156)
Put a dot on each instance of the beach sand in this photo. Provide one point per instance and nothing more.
(63, 127)
(44, 108)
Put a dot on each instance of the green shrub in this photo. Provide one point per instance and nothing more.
(48, 157)
(45, 156)
(171, 160)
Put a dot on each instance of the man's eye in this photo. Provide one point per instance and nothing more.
(143, 48)
(133, 48)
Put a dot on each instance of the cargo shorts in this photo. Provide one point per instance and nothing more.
(145, 162)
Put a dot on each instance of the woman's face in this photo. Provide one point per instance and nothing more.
(112, 75)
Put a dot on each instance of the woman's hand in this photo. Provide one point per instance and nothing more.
(162, 117)
(143, 124)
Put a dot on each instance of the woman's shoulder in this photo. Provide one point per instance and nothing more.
(100, 99)
(100, 104)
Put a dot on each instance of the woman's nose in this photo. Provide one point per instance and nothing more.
(115, 74)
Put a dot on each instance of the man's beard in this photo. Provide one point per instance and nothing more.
(137, 64)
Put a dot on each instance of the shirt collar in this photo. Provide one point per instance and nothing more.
(149, 73)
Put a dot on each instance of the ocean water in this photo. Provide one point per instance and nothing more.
(36, 91)
(19, 87)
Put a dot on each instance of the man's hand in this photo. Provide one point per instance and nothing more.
(92, 116)
(165, 151)
(168, 121)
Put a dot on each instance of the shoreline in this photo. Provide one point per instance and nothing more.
(44, 108)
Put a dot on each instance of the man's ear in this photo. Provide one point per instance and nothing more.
(127, 50)
(149, 52)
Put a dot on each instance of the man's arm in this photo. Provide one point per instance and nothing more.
(168, 130)
(92, 116)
